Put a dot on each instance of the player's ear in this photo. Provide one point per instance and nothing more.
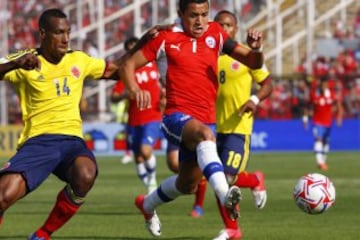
(42, 33)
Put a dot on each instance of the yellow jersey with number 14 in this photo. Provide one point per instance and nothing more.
(50, 96)
(235, 83)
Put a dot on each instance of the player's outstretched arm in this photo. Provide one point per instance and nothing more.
(27, 61)
(113, 68)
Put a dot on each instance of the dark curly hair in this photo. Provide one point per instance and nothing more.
(184, 3)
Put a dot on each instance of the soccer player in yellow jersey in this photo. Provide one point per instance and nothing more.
(235, 108)
(49, 81)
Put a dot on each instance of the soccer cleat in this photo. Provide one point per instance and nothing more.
(229, 234)
(197, 211)
(259, 192)
(127, 158)
(152, 221)
(323, 166)
(232, 199)
(34, 237)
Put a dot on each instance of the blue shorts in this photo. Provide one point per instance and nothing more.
(42, 155)
(172, 126)
(146, 134)
(234, 150)
(321, 132)
(171, 147)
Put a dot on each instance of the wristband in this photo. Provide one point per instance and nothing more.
(257, 49)
(255, 99)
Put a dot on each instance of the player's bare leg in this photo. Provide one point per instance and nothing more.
(12, 188)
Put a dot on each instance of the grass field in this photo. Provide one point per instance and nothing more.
(109, 212)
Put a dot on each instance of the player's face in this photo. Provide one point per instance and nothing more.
(195, 19)
(228, 23)
(55, 40)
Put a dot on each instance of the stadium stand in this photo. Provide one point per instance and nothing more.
(117, 19)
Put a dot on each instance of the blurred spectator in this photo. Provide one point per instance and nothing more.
(356, 24)
(289, 94)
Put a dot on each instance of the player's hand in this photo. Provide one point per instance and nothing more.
(254, 39)
(142, 98)
(305, 120)
(28, 61)
(248, 107)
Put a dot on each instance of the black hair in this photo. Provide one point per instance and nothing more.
(44, 20)
(216, 18)
(184, 3)
(130, 41)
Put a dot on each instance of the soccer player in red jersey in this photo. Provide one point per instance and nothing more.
(144, 125)
(321, 103)
(192, 48)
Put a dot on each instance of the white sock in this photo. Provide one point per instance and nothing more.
(151, 169)
(142, 173)
(166, 192)
(326, 151)
(319, 152)
(212, 168)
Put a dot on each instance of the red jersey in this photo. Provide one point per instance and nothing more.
(322, 107)
(147, 78)
(191, 79)
(119, 87)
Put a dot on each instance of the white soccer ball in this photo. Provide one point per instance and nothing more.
(314, 193)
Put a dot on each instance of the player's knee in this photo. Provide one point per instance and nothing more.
(146, 151)
(206, 134)
(83, 177)
(5, 201)
(87, 176)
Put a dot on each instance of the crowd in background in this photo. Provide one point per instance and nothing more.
(290, 92)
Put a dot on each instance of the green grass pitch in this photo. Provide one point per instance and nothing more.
(109, 212)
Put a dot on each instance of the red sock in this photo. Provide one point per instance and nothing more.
(228, 222)
(1, 218)
(200, 193)
(246, 180)
(63, 210)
